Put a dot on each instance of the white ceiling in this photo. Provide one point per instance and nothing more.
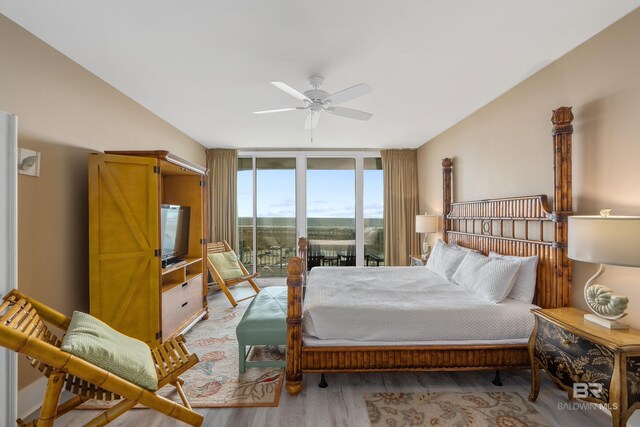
(205, 65)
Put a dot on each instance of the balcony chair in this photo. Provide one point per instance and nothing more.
(24, 329)
(222, 278)
(315, 257)
(347, 258)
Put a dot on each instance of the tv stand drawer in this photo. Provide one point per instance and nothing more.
(179, 304)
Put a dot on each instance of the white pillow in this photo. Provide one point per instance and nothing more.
(525, 287)
(490, 278)
(444, 260)
(462, 248)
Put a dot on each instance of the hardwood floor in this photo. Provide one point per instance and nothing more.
(341, 404)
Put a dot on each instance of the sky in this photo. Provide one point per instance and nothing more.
(330, 193)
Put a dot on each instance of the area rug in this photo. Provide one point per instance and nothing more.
(452, 409)
(215, 382)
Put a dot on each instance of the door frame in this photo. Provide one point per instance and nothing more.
(301, 188)
(8, 255)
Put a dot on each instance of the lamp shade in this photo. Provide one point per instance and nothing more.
(426, 223)
(614, 240)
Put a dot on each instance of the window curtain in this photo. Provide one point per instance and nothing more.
(223, 171)
(400, 205)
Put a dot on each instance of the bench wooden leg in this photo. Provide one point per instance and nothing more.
(242, 358)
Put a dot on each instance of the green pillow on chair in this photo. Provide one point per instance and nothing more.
(96, 342)
(226, 264)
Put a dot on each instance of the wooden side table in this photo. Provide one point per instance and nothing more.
(591, 362)
(417, 260)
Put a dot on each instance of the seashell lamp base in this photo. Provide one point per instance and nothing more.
(611, 324)
(606, 306)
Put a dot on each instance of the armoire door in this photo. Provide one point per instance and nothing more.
(124, 242)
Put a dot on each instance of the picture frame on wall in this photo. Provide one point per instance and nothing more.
(28, 162)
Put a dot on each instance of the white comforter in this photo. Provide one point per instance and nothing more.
(404, 304)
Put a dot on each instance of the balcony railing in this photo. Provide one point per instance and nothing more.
(276, 244)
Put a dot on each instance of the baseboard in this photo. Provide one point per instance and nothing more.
(30, 398)
(633, 421)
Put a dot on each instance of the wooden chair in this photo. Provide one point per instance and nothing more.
(347, 259)
(214, 248)
(23, 330)
(314, 260)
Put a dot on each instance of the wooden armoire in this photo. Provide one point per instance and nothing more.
(129, 289)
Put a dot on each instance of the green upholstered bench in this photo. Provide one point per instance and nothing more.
(264, 323)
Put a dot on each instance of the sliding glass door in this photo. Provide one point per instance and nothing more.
(331, 211)
(335, 200)
(266, 214)
(373, 210)
(275, 215)
(245, 212)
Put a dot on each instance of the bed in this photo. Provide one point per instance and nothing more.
(521, 226)
(398, 305)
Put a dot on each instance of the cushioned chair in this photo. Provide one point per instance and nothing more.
(24, 328)
(222, 279)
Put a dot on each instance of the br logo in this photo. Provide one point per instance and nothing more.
(581, 390)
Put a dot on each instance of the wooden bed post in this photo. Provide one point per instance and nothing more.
(295, 270)
(562, 203)
(446, 197)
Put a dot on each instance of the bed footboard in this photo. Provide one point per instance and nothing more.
(415, 358)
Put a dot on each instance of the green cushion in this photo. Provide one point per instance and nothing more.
(95, 342)
(264, 322)
(226, 263)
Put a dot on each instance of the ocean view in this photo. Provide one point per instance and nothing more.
(331, 241)
(267, 194)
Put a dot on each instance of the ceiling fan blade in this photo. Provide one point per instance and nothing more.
(349, 113)
(312, 120)
(349, 93)
(291, 91)
(279, 110)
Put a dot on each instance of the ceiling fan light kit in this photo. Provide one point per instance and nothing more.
(317, 100)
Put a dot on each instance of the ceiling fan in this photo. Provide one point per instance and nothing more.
(317, 100)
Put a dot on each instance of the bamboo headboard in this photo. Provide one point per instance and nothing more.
(523, 226)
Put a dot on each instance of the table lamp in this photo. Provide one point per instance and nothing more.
(426, 224)
(605, 239)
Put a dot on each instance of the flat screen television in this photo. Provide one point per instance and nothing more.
(174, 225)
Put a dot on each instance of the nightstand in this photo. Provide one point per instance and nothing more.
(417, 260)
(590, 362)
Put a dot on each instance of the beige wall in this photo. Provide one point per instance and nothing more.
(504, 149)
(65, 112)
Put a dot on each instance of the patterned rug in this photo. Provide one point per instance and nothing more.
(215, 382)
(503, 409)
